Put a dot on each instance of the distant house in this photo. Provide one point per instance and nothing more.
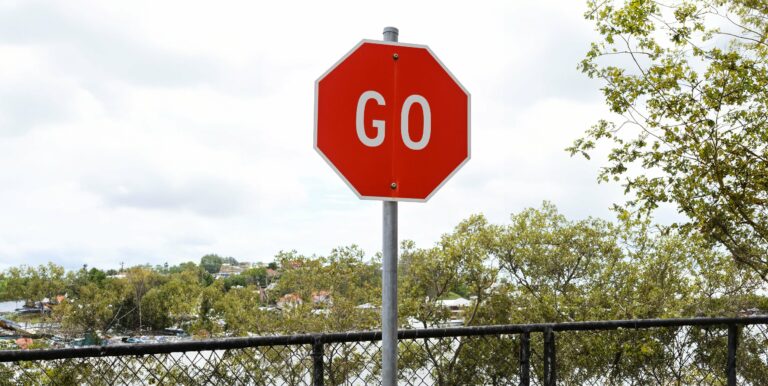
(228, 270)
(456, 306)
(367, 306)
(751, 312)
(245, 265)
(289, 301)
(47, 304)
(321, 298)
(295, 264)
(24, 343)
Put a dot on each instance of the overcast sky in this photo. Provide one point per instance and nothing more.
(151, 132)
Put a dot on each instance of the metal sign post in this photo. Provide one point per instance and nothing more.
(393, 122)
(389, 279)
(389, 296)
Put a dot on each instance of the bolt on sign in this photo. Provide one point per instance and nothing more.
(392, 121)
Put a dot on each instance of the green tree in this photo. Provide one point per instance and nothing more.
(561, 270)
(462, 259)
(204, 276)
(3, 287)
(256, 275)
(539, 267)
(138, 283)
(95, 308)
(543, 267)
(251, 276)
(211, 263)
(229, 260)
(344, 273)
(206, 323)
(174, 302)
(239, 309)
(345, 276)
(688, 81)
(80, 278)
(32, 284)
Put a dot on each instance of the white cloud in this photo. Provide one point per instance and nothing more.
(147, 132)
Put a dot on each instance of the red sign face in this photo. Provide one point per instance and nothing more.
(392, 121)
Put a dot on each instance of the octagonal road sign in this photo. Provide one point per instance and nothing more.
(392, 121)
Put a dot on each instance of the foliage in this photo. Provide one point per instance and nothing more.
(204, 276)
(331, 288)
(463, 258)
(33, 284)
(542, 267)
(251, 276)
(211, 263)
(94, 309)
(241, 313)
(689, 80)
(561, 270)
(174, 302)
(538, 267)
(139, 281)
(229, 260)
(206, 323)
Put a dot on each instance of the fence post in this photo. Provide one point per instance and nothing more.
(733, 343)
(318, 355)
(550, 362)
(525, 356)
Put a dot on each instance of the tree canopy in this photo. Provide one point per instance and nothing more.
(211, 263)
(540, 266)
(689, 84)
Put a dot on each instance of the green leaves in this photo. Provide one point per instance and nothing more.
(540, 266)
(544, 267)
(211, 263)
(692, 104)
(463, 261)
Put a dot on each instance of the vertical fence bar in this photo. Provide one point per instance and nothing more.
(525, 355)
(550, 362)
(318, 356)
(733, 343)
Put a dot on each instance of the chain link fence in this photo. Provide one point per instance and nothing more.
(701, 351)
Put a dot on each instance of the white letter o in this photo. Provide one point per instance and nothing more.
(422, 143)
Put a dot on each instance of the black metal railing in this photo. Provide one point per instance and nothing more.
(697, 351)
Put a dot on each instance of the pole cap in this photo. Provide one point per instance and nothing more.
(391, 34)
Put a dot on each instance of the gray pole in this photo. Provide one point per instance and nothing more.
(389, 279)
